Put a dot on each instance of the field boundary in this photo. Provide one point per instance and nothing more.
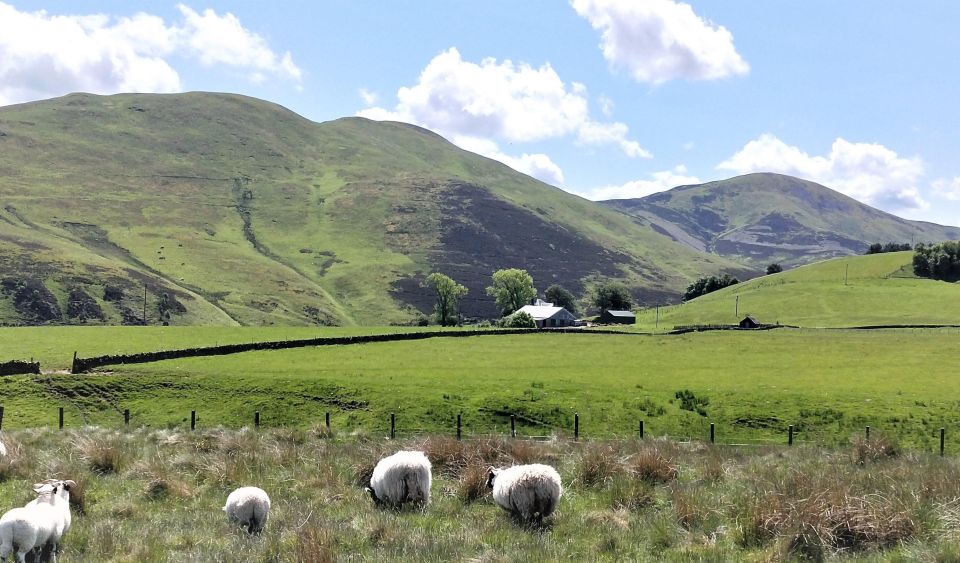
(81, 365)
(19, 367)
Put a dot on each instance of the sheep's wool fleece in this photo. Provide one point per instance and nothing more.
(246, 503)
(403, 477)
(528, 488)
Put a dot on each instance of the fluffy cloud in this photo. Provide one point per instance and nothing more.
(369, 98)
(947, 189)
(501, 100)
(868, 172)
(661, 40)
(658, 182)
(537, 165)
(44, 55)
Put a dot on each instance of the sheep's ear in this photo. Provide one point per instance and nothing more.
(491, 475)
(37, 487)
(69, 484)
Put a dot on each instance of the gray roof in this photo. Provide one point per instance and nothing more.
(621, 314)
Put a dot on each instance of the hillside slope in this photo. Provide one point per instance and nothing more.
(879, 289)
(762, 218)
(224, 209)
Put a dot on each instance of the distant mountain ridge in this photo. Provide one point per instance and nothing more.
(225, 209)
(761, 218)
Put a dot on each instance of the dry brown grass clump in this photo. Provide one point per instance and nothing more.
(598, 464)
(102, 453)
(315, 544)
(874, 449)
(653, 465)
(473, 483)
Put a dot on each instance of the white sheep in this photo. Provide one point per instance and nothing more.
(248, 506)
(529, 492)
(401, 478)
(40, 525)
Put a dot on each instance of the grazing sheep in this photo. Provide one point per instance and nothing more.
(248, 506)
(3, 449)
(530, 492)
(40, 525)
(401, 478)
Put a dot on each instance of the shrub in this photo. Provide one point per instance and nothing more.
(874, 449)
(690, 402)
(520, 320)
(598, 464)
(651, 466)
(707, 285)
(937, 261)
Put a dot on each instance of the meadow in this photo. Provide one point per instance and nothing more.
(828, 384)
(156, 495)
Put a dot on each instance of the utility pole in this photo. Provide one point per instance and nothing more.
(656, 324)
(845, 272)
(736, 310)
(144, 304)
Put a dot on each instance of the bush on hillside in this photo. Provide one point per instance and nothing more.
(707, 285)
(937, 261)
(877, 248)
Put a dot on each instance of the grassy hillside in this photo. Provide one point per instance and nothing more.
(829, 384)
(231, 210)
(880, 289)
(762, 218)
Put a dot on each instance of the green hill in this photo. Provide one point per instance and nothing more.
(224, 209)
(879, 289)
(762, 218)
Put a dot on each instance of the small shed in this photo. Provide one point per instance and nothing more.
(617, 317)
(749, 322)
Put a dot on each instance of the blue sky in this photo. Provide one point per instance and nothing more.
(603, 98)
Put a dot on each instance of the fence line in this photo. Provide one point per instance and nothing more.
(711, 436)
(19, 367)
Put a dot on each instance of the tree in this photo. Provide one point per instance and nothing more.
(774, 269)
(520, 320)
(937, 261)
(447, 310)
(512, 288)
(612, 295)
(560, 297)
(707, 285)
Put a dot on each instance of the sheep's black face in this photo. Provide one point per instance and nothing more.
(490, 478)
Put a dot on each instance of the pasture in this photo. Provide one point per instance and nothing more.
(829, 384)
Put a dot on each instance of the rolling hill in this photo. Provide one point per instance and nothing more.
(203, 208)
(878, 289)
(762, 218)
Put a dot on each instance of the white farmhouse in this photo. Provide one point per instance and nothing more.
(548, 316)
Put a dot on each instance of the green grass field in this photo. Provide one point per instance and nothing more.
(829, 384)
(878, 289)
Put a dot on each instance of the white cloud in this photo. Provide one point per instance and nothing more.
(868, 172)
(44, 55)
(369, 98)
(947, 189)
(658, 182)
(661, 40)
(537, 165)
(500, 100)
(606, 105)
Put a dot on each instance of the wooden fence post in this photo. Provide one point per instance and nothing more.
(393, 426)
(61, 418)
(868, 433)
(711, 433)
(328, 422)
(641, 430)
(126, 417)
(576, 426)
(513, 426)
(942, 433)
(193, 420)
(458, 427)
(790, 435)
(1, 417)
(256, 419)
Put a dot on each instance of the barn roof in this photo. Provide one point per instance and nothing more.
(540, 312)
(627, 314)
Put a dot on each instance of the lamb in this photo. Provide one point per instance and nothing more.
(248, 506)
(529, 492)
(40, 525)
(401, 478)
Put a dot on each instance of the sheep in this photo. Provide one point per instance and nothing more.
(529, 492)
(40, 525)
(401, 478)
(248, 506)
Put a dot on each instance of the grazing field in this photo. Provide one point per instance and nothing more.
(879, 289)
(156, 496)
(829, 384)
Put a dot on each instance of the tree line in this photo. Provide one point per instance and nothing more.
(511, 289)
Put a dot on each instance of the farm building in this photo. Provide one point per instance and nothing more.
(548, 316)
(749, 322)
(617, 317)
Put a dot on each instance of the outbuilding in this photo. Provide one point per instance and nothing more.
(749, 322)
(617, 317)
(548, 316)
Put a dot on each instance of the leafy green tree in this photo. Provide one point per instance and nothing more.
(512, 288)
(560, 297)
(612, 296)
(774, 269)
(447, 310)
(707, 285)
(937, 261)
(520, 320)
